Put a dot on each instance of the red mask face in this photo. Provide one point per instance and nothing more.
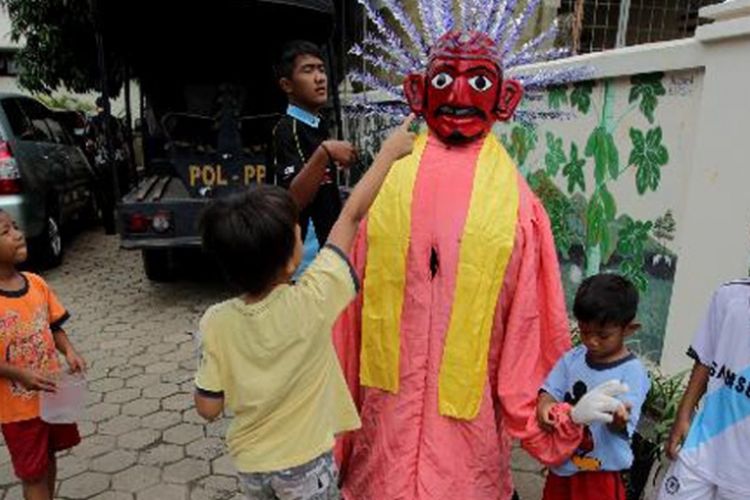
(462, 97)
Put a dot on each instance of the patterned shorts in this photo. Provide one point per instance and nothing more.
(315, 480)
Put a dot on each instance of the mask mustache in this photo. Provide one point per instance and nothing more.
(460, 111)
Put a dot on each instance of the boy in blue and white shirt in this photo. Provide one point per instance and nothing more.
(713, 462)
(605, 308)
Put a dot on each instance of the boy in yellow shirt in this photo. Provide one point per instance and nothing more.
(267, 354)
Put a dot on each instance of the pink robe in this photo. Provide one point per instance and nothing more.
(406, 449)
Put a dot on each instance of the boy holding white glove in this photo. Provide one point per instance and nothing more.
(605, 308)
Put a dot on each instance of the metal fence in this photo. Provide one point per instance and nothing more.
(595, 25)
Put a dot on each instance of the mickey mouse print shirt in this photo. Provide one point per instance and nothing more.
(602, 449)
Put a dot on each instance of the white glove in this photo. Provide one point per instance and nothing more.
(599, 404)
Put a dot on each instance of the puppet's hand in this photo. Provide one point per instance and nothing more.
(599, 404)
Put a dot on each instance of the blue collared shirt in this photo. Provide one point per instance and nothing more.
(304, 116)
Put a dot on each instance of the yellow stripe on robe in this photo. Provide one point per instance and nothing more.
(486, 245)
(388, 228)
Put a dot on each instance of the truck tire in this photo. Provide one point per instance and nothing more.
(158, 265)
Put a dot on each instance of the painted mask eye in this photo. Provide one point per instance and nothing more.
(480, 83)
(442, 80)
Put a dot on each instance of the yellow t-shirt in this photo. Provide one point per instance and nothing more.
(275, 365)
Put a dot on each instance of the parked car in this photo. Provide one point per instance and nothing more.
(45, 180)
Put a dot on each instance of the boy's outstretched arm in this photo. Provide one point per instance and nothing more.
(399, 144)
(694, 392)
(306, 183)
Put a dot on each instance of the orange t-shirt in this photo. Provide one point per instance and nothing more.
(27, 319)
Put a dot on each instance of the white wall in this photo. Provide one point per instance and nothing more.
(713, 239)
(716, 241)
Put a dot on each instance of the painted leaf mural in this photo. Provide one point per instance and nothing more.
(555, 156)
(647, 88)
(611, 142)
(648, 155)
(557, 96)
(573, 170)
(632, 244)
(580, 98)
(601, 146)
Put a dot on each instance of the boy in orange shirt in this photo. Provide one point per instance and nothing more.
(31, 320)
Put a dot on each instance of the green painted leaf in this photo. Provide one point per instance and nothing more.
(635, 273)
(653, 137)
(648, 155)
(633, 237)
(608, 201)
(594, 221)
(662, 155)
(626, 233)
(580, 98)
(632, 240)
(647, 87)
(612, 242)
(600, 214)
(613, 157)
(593, 146)
(601, 146)
(573, 170)
(523, 141)
(506, 142)
(605, 240)
(637, 137)
(559, 211)
(557, 96)
(555, 156)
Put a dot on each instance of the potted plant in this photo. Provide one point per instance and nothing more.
(657, 416)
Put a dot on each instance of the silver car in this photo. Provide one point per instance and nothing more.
(45, 180)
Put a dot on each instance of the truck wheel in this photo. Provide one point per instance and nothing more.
(158, 265)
